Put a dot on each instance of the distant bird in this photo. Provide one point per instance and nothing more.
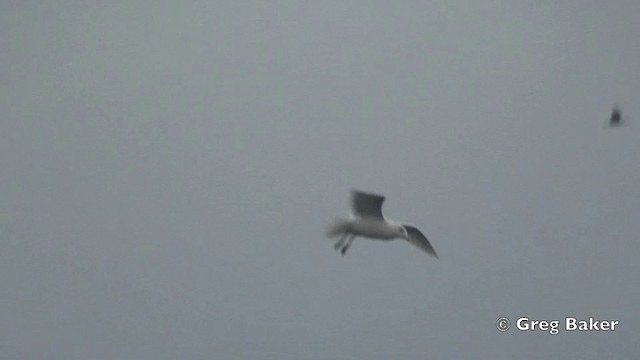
(616, 117)
(367, 221)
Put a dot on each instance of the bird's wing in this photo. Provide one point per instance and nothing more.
(418, 239)
(366, 205)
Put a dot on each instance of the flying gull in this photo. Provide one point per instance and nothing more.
(367, 221)
(616, 117)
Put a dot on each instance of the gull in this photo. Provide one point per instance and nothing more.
(366, 220)
(616, 117)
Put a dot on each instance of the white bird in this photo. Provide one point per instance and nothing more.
(367, 221)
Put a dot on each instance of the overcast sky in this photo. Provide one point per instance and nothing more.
(168, 168)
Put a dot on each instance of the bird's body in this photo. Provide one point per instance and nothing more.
(367, 221)
(373, 229)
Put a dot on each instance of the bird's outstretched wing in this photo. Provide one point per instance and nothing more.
(366, 205)
(418, 239)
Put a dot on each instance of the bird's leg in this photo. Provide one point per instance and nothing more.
(339, 243)
(348, 244)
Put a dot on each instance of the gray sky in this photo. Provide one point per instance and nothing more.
(168, 169)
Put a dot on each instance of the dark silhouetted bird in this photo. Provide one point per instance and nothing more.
(616, 117)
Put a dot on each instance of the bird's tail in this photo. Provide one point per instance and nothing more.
(337, 227)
